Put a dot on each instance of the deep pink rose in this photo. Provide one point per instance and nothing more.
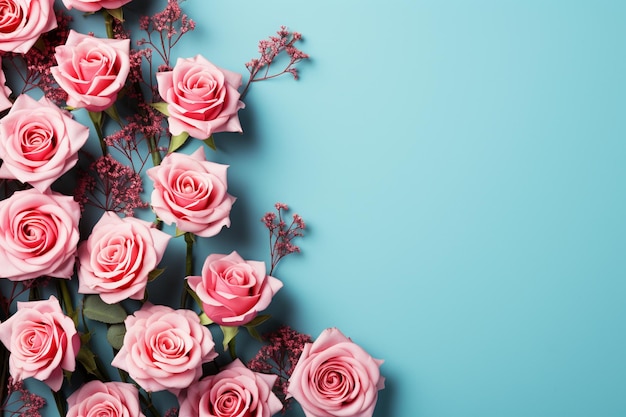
(190, 192)
(38, 235)
(42, 340)
(233, 290)
(201, 98)
(91, 70)
(104, 399)
(94, 5)
(5, 91)
(118, 256)
(22, 21)
(335, 377)
(164, 349)
(235, 391)
(40, 142)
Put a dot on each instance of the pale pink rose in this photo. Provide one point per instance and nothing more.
(94, 5)
(235, 391)
(91, 70)
(104, 399)
(191, 192)
(164, 349)
(38, 235)
(42, 340)
(118, 256)
(232, 290)
(201, 98)
(335, 377)
(22, 21)
(5, 91)
(40, 142)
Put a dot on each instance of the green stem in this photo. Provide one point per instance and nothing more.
(66, 297)
(97, 119)
(60, 402)
(4, 371)
(156, 155)
(189, 240)
(232, 349)
(34, 294)
(147, 402)
(108, 25)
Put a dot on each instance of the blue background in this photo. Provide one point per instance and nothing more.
(461, 168)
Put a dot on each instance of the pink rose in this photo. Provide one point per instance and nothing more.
(38, 235)
(335, 377)
(164, 349)
(233, 290)
(22, 21)
(42, 340)
(90, 6)
(91, 70)
(190, 192)
(235, 391)
(118, 256)
(39, 143)
(5, 91)
(201, 98)
(104, 399)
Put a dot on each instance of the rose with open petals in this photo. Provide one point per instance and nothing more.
(40, 142)
(104, 399)
(233, 290)
(38, 235)
(235, 391)
(5, 91)
(201, 98)
(90, 6)
(42, 340)
(191, 192)
(118, 256)
(335, 377)
(164, 349)
(91, 70)
(22, 21)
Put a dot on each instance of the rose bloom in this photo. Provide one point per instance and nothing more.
(336, 377)
(201, 98)
(164, 349)
(38, 235)
(104, 399)
(5, 91)
(118, 256)
(190, 192)
(234, 391)
(40, 142)
(42, 340)
(22, 21)
(233, 290)
(94, 5)
(91, 70)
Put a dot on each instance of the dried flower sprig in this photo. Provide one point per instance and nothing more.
(26, 404)
(270, 49)
(281, 235)
(279, 357)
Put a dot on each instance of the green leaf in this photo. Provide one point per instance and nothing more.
(261, 318)
(116, 13)
(155, 273)
(96, 309)
(115, 335)
(113, 114)
(88, 359)
(179, 232)
(96, 117)
(204, 319)
(85, 338)
(254, 333)
(161, 107)
(177, 141)
(210, 142)
(229, 334)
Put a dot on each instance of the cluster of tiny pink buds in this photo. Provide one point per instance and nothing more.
(117, 184)
(26, 404)
(170, 24)
(281, 234)
(270, 49)
(279, 357)
(172, 412)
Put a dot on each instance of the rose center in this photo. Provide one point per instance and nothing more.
(37, 141)
(229, 404)
(11, 16)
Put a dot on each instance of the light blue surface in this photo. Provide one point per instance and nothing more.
(461, 167)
